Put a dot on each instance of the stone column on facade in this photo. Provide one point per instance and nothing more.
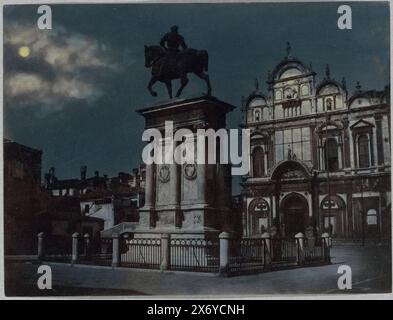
(271, 149)
(350, 208)
(321, 162)
(373, 147)
(314, 144)
(265, 161)
(354, 157)
(346, 144)
(379, 138)
(340, 154)
(274, 206)
(386, 140)
(277, 207)
(315, 202)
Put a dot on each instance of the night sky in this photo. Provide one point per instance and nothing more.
(74, 96)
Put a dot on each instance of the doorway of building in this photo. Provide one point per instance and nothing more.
(295, 209)
(333, 213)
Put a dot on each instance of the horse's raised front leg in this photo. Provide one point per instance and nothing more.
(152, 81)
(169, 87)
(205, 77)
(183, 81)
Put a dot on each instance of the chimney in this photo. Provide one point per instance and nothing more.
(96, 173)
(83, 172)
(52, 175)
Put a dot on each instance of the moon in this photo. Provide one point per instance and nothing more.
(24, 51)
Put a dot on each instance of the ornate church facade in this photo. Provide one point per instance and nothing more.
(320, 157)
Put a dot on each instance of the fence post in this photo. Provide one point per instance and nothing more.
(267, 263)
(40, 248)
(326, 247)
(115, 250)
(165, 251)
(224, 253)
(75, 238)
(300, 248)
(87, 245)
(310, 236)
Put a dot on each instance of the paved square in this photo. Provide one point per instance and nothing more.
(371, 271)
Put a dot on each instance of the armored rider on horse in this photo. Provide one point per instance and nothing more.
(173, 60)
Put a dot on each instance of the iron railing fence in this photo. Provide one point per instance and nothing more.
(141, 253)
(95, 252)
(58, 248)
(283, 250)
(194, 255)
(247, 255)
(313, 251)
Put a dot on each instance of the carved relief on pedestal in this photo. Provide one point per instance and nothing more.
(164, 173)
(190, 171)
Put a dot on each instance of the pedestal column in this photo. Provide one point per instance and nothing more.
(149, 186)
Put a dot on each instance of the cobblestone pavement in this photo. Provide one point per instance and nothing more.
(371, 272)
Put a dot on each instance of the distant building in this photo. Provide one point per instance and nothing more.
(320, 156)
(91, 205)
(23, 197)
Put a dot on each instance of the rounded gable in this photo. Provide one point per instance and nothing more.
(288, 68)
(291, 72)
(328, 87)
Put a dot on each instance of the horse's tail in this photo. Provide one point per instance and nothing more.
(205, 60)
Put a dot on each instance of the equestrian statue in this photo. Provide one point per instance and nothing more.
(172, 59)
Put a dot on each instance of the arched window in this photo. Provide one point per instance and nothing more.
(259, 211)
(258, 164)
(363, 150)
(371, 217)
(331, 155)
(329, 104)
(278, 95)
(257, 115)
(305, 90)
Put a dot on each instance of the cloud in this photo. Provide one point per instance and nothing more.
(62, 67)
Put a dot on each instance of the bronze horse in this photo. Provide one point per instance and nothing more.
(165, 69)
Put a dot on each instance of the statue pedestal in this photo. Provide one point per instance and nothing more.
(189, 200)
